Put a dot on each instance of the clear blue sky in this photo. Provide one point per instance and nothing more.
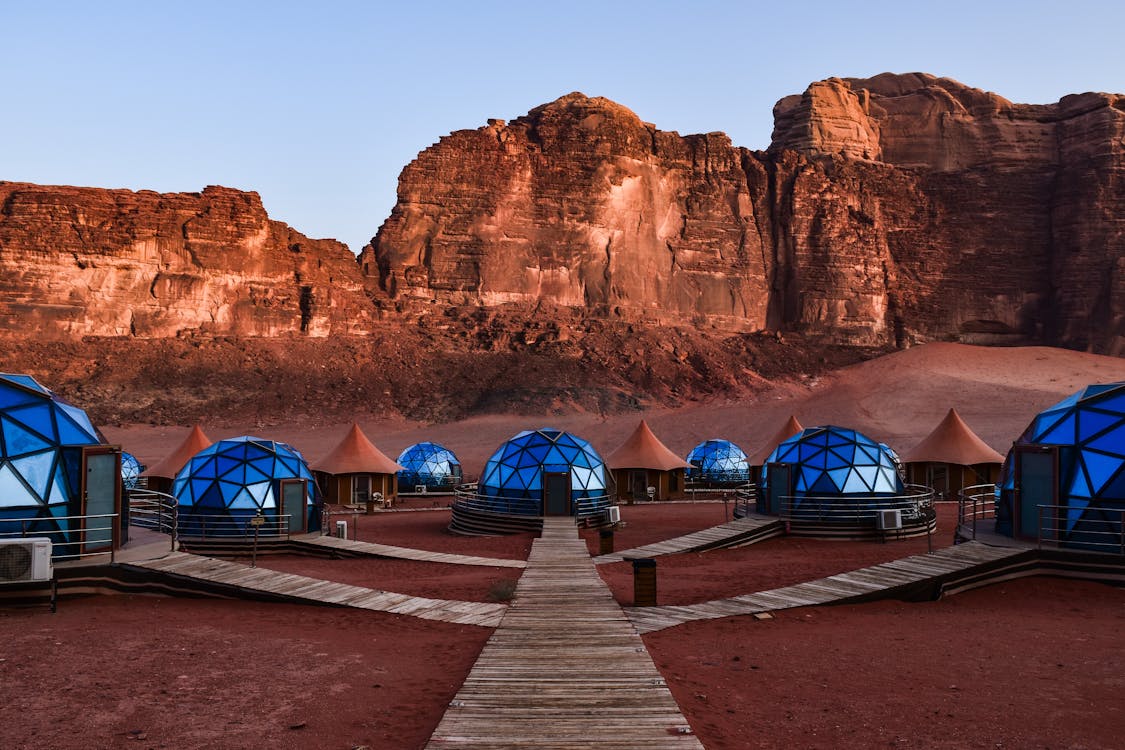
(319, 105)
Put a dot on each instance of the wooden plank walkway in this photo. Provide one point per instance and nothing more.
(371, 549)
(565, 669)
(925, 575)
(235, 579)
(741, 531)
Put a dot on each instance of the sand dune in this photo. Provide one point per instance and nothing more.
(898, 399)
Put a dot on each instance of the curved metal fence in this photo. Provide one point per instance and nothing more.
(975, 503)
(856, 509)
(467, 496)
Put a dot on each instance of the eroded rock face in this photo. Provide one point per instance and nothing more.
(91, 262)
(888, 210)
(581, 204)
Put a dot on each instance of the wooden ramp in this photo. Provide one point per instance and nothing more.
(920, 577)
(741, 531)
(355, 549)
(218, 577)
(565, 668)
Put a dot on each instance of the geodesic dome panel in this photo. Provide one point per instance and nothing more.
(40, 437)
(835, 461)
(237, 478)
(718, 461)
(131, 470)
(515, 470)
(1089, 429)
(430, 464)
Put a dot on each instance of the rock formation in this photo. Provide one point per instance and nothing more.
(89, 262)
(579, 256)
(887, 210)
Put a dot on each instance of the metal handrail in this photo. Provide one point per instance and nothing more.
(203, 526)
(1107, 536)
(975, 502)
(855, 508)
(82, 531)
(524, 506)
(157, 511)
(746, 498)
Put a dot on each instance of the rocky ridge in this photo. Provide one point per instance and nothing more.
(580, 256)
(889, 210)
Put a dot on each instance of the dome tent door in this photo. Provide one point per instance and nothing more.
(293, 494)
(101, 495)
(780, 478)
(556, 493)
(1036, 484)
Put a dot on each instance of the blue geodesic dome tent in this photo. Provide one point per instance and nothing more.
(226, 484)
(514, 477)
(42, 442)
(131, 470)
(1071, 456)
(828, 467)
(719, 461)
(429, 464)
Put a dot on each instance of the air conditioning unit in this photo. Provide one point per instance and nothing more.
(23, 560)
(888, 520)
(613, 514)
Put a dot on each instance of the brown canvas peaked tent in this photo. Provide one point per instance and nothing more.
(643, 461)
(355, 470)
(161, 475)
(788, 430)
(952, 457)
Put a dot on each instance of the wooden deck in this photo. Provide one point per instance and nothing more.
(565, 668)
(741, 531)
(219, 577)
(918, 577)
(370, 549)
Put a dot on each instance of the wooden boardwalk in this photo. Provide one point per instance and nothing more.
(237, 580)
(565, 668)
(370, 549)
(740, 531)
(917, 577)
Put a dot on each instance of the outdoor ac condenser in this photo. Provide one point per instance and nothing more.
(24, 560)
(613, 513)
(888, 520)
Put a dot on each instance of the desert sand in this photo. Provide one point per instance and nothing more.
(895, 399)
(1029, 663)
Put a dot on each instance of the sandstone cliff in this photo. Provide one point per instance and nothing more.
(888, 210)
(86, 261)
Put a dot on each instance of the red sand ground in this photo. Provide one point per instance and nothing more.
(1034, 663)
(701, 576)
(228, 674)
(152, 672)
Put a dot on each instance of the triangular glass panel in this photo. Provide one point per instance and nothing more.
(1091, 422)
(19, 440)
(1062, 433)
(13, 397)
(1112, 442)
(855, 484)
(13, 493)
(1100, 468)
(839, 477)
(243, 501)
(36, 471)
(1079, 486)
